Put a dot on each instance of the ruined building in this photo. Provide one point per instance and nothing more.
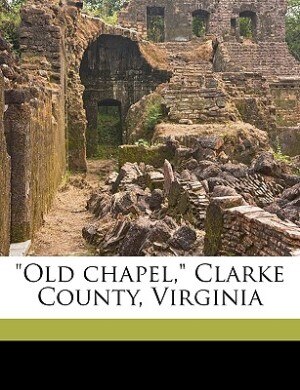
(212, 65)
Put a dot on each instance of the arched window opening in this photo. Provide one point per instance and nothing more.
(233, 26)
(248, 24)
(156, 24)
(200, 23)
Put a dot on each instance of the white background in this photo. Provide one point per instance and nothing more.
(19, 298)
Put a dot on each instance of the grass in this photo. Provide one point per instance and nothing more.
(280, 156)
(106, 152)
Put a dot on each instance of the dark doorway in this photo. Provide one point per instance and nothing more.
(109, 123)
(233, 26)
(200, 23)
(156, 24)
(248, 24)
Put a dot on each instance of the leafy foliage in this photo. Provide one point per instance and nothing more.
(142, 142)
(246, 27)
(293, 27)
(155, 113)
(279, 155)
(105, 9)
(10, 21)
(156, 29)
(199, 26)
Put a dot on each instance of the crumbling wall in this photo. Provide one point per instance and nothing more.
(270, 23)
(251, 94)
(234, 228)
(36, 146)
(35, 120)
(286, 97)
(43, 103)
(81, 31)
(4, 182)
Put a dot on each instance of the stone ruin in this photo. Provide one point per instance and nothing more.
(224, 99)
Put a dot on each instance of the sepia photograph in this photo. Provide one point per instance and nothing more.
(150, 128)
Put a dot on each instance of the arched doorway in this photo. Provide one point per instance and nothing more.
(156, 24)
(115, 76)
(109, 123)
(200, 23)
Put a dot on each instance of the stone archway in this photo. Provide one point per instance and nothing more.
(82, 33)
(133, 77)
(113, 69)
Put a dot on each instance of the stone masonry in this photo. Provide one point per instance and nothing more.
(4, 182)
(260, 75)
(236, 229)
(223, 17)
(35, 122)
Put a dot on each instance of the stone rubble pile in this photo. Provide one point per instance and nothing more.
(135, 219)
(145, 211)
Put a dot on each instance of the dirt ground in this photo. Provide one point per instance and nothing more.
(61, 232)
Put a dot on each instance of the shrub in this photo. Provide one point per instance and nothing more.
(154, 114)
(10, 21)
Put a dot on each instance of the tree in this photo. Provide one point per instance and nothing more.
(10, 21)
(293, 27)
(104, 7)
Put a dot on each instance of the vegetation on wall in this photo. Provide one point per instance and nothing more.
(143, 117)
(154, 114)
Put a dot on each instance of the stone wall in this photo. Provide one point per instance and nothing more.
(81, 31)
(35, 120)
(286, 97)
(36, 145)
(270, 58)
(251, 94)
(223, 16)
(58, 40)
(234, 228)
(4, 182)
